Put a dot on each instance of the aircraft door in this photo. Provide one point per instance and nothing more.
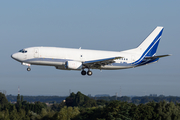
(36, 52)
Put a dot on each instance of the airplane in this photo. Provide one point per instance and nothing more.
(81, 59)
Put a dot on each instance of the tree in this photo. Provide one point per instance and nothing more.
(168, 111)
(80, 100)
(124, 98)
(18, 104)
(101, 102)
(21, 98)
(117, 110)
(93, 113)
(3, 101)
(67, 113)
(14, 114)
(145, 100)
(6, 115)
(57, 107)
(144, 112)
(38, 107)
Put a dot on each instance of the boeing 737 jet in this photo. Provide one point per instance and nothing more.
(81, 59)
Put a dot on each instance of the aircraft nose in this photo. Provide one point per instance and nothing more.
(14, 56)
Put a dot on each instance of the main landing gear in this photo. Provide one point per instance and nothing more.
(83, 72)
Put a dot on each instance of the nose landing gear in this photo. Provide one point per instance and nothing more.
(27, 64)
(28, 69)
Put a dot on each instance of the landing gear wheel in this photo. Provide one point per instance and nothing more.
(28, 69)
(83, 72)
(89, 73)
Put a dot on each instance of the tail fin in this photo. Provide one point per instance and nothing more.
(149, 46)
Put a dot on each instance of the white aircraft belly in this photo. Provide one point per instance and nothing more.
(46, 63)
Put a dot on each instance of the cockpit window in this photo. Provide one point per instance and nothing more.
(23, 51)
(20, 50)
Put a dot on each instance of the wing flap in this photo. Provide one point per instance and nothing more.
(99, 62)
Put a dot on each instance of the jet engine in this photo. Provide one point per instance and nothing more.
(73, 65)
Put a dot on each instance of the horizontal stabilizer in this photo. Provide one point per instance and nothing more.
(159, 56)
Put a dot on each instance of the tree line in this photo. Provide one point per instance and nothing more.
(81, 107)
(50, 99)
(134, 99)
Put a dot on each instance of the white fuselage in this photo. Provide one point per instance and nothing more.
(53, 56)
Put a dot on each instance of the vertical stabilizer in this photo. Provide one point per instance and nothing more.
(149, 46)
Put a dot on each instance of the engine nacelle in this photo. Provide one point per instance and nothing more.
(73, 65)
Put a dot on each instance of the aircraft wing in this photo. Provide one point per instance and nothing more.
(159, 56)
(98, 63)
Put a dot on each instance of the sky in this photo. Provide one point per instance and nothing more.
(97, 24)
